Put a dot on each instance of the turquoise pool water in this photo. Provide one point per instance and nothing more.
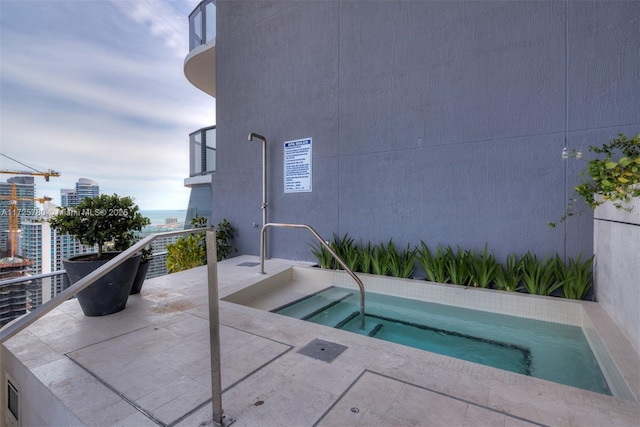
(546, 350)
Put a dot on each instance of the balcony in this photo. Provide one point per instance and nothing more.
(202, 156)
(200, 63)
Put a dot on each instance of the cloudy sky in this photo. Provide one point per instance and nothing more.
(95, 89)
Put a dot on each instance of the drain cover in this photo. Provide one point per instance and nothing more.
(248, 264)
(322, 350)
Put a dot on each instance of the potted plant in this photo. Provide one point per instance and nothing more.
(143, 269)
(98, 221)
(608, 178)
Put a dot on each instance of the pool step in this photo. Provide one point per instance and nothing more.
(315, 304)
(370, 329)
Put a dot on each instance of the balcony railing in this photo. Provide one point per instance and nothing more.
(202, 24)
(23, 322)
(202, 151)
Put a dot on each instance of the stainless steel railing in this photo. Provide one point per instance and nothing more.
(326, 246)
(23, 322)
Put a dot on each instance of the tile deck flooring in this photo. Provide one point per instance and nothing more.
(149, 365)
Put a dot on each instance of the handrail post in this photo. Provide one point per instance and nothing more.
(214, 332)
(327, 247)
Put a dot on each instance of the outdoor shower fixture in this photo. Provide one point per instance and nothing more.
(252, 135)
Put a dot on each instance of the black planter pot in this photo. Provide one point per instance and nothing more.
(109, 294)
(143, 268)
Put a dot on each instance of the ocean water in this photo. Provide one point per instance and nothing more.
(158, 217)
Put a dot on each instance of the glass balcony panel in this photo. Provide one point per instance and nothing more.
(210, 21)
(202, 24)
(195, 153)
(211, 160)
(210, 150)
(195, 29)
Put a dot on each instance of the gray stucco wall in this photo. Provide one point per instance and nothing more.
(441, 121)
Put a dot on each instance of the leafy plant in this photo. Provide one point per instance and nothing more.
(434, 265)
(181, 255)
(458, 266)
(347, 250)
(380, 260)
(401, 264)
(101, 219)
(614, 180)
(365, 258)
(187, 252)
(508, 277)
(147, 253)
(324, 257)
(539, 276)
(576, 277)
(224, 234)
(484, 268)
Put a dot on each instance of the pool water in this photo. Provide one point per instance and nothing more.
(551, 351)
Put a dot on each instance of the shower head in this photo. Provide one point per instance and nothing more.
(256, 135)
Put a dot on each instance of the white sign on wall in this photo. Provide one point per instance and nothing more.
(297, 166)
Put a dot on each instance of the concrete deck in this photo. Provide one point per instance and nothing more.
(149, 365)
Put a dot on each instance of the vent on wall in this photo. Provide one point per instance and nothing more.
(12, 416)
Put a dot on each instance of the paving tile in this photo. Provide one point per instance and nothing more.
(72, 385)
(480, 417)
(421, 407)
(531, 404)
(155, 352)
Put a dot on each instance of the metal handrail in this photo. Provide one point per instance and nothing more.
(29, 278)
(21, 323)
(326, 246)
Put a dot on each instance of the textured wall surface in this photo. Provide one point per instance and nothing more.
(435, 121)
(617, 274)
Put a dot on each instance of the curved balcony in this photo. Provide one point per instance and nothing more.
(200, 63)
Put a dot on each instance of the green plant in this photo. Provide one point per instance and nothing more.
(380, 260)
(576, 277)
(401, 264)
(187, 252)
(434, 265)
(347, 251)
(147, 253)
(484, 268)
(607, 178)
(365, 258)
(321, 253)
(508, 277)
(102, 219)
(539, 277)
(458, 266)
(181, 255)
(224, 234)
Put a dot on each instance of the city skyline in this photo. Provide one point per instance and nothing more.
(96, 90)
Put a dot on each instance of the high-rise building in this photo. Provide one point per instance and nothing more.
(67, 197)
(85, 187)
(13, 296)
(25, 193)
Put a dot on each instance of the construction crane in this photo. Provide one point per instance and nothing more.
(14, 199)
(32, 172)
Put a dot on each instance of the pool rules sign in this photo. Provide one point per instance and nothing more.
(297, 166)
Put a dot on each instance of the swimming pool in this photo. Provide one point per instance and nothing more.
(546, 350)
(296, 283)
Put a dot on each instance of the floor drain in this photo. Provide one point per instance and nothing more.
(322, 350)
(248, 264)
